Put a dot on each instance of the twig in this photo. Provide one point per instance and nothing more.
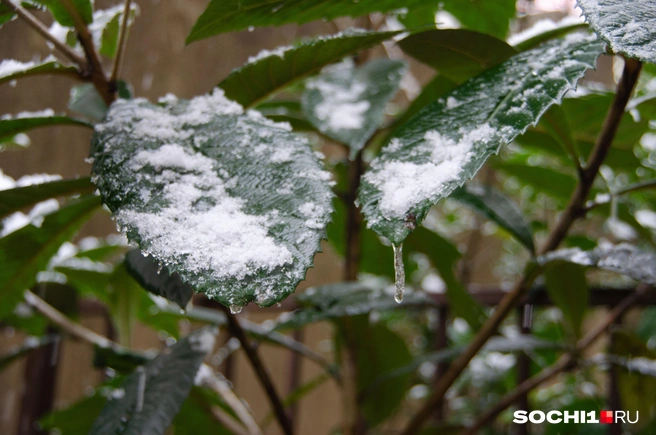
(122, 38)
(260, 370)
(37, 25)
(94, 66)
(574, 211)
(564, 363)
(643, 185)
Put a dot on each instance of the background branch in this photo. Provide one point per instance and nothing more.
(122, 38)
(572, 212)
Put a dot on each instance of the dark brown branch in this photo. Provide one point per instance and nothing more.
(118, 60)
(565, 362)
(573, 211)
(37, 25)
(260, 370)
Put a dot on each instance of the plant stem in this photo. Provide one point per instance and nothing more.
(122, 38)
(564, 363)
(37, 25)
(353, 221)
(573, 211)
(260, 370)
(94, 66)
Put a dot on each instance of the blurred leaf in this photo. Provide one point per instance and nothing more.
(286, 111)
(555, 122)
(233, 203)
(30, 344)
(10, 127)
(195, 416)
(27, 251)
(124, 303)
(449, 140)
(221, 17)
(455, 53)
(494, 205)
(106, 26)
(557, 32)
(271, 71)
(153, 396)
(347, 103)
(623, 258)
(156, 279)
(434, 89)
(12, 200)
(568, 289)
(628, 27)
(76, 419)
(86, 101)
(122, 360)
(554, 183)
(13, 70)
(61, 13)
(489, 16)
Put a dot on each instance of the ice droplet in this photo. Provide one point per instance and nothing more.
(235, 309)
(399, 272)
(159, 268)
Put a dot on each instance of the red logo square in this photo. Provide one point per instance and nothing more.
(606, 417)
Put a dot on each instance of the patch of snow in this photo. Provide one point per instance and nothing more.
(646, 218)
(46, 113)
(202, 341)
(9, 66)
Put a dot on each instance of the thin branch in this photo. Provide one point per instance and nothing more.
(643, 185)
(94, 67)
(574, 211)
(564, 363)
(37, 25)
(122, 39)
(260, 370)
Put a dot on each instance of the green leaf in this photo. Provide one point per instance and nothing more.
(628, 27)
(62, 14)
(455, 53)
(432, 91)
(118, 358)
(25, 252)
(286, 111)
(494, 205)
(221, 16)
(568, 289)
(151, 397)
(555, 122)
(106, 26)
(12, 200)
(13, 70)
(269, 72)
(557, 184)
(157, 279)
(531, 40)
(623, 258)
(448, 141)
(11, 126)
(234, 203)
(86, 100)
(489, 16)
(77, 419)
(347, 103)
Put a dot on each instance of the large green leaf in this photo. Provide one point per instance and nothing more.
(227, 16)
(26, 252)
(557, 184)
(62, 14)
(270, 71)
(11, 126)
(448, 141)
(628, 27)
(156, 280)
(12, 70)
(150, 398)
(15, 199)
(234, 203)
(488, 16)
(347, 103)
(568, 289)
(495, 206)
(623, 258)
(455, 53)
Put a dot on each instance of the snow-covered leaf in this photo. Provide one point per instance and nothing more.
(347, 103)
(12, 70)
(455, 53)
(448, 141)
(221, 16)
(629, 27)
(235, 204)
(61, 13)
(495, 206)
(12, 200)
(106, 25)
(270, 71)
(27, 251)
(10, 126)
(623, 258)
(148, 400)
(157, 280)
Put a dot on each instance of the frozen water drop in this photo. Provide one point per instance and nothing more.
(399, 272)
(159, 268)
(235, 309)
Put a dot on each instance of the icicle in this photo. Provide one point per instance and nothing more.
(399, 272)
(141, 387)
(235, 309)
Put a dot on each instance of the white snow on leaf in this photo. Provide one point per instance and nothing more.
(342, 107)
(403, 184)
(10, 66)
(278, 51)
(646, 218)
(37, 114)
